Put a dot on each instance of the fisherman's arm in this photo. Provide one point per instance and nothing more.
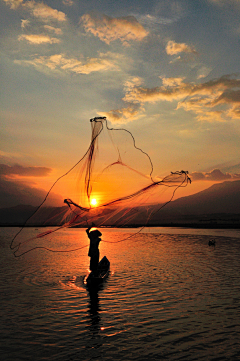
(88, 229)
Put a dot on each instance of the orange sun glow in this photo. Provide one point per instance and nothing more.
(93, 202)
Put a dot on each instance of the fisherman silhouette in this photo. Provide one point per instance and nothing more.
(94, 235)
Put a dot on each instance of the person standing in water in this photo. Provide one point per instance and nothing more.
(94, 235)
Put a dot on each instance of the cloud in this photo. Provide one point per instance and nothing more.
(215, 175)
(9, 157)
(123, 115)
(18, 170)
(44, 12)
(136, 96)
(234, 112)
(210, 116)
(172, 81)
(68, 2)
(24, 23)
(14, 4)
(172, 89)
(14, 191)
(177, 59)
(152, 21)
(173, 48)
(201, 98)
(58, 62)
(130, 112)
(109, 29)
(38, 10)
(38, 39)
(57, 31)
(204, 99)
(228, 96)
(222, 91)
(203, 72)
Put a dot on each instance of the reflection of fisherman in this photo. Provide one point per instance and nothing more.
(94, 235)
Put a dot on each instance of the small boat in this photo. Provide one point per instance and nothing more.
(95, 278)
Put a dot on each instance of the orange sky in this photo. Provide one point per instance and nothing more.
(166, 71)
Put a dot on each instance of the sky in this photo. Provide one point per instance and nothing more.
(167, 71)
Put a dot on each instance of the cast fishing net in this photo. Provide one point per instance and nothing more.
(112, 185)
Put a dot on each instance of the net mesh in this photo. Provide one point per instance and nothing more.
(112, 185)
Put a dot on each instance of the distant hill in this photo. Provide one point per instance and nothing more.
(219, 198)
(16, 215)
(219, 205)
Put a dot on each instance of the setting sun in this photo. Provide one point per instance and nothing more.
(93, 202)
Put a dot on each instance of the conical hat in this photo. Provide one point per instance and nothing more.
(95, 233)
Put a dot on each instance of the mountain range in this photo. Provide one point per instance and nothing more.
(219, 205)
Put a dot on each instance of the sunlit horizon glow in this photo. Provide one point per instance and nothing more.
(166, 71)
(93, 202)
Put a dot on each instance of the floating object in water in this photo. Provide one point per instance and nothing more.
(102, 272)
(211, 242)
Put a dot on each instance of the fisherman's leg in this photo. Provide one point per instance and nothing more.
(94, 263)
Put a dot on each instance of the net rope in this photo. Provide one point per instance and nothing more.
(115, 166)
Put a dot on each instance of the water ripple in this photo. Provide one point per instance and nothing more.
(169, 296)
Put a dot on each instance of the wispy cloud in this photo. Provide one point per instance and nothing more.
(173, 48)
(203, 99)
(210, 116)
(124, 115)
(151, 21)
(131, 111)
(234, 112)
(24, 23)
(109, 29)
(58, 62)
(38, 10)
(38, 39)
(215, 175)
(57, 31)
(203, 72)
(68, 2)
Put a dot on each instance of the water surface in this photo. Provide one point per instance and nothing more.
(169, 296)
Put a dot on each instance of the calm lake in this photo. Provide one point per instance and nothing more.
(170, 296)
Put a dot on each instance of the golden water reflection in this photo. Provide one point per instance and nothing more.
(168, 295)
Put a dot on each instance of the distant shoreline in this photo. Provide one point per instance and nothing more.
(165, 225)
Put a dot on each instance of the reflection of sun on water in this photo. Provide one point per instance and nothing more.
(93, 202)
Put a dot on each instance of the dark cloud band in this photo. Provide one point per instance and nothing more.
(19, 170)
